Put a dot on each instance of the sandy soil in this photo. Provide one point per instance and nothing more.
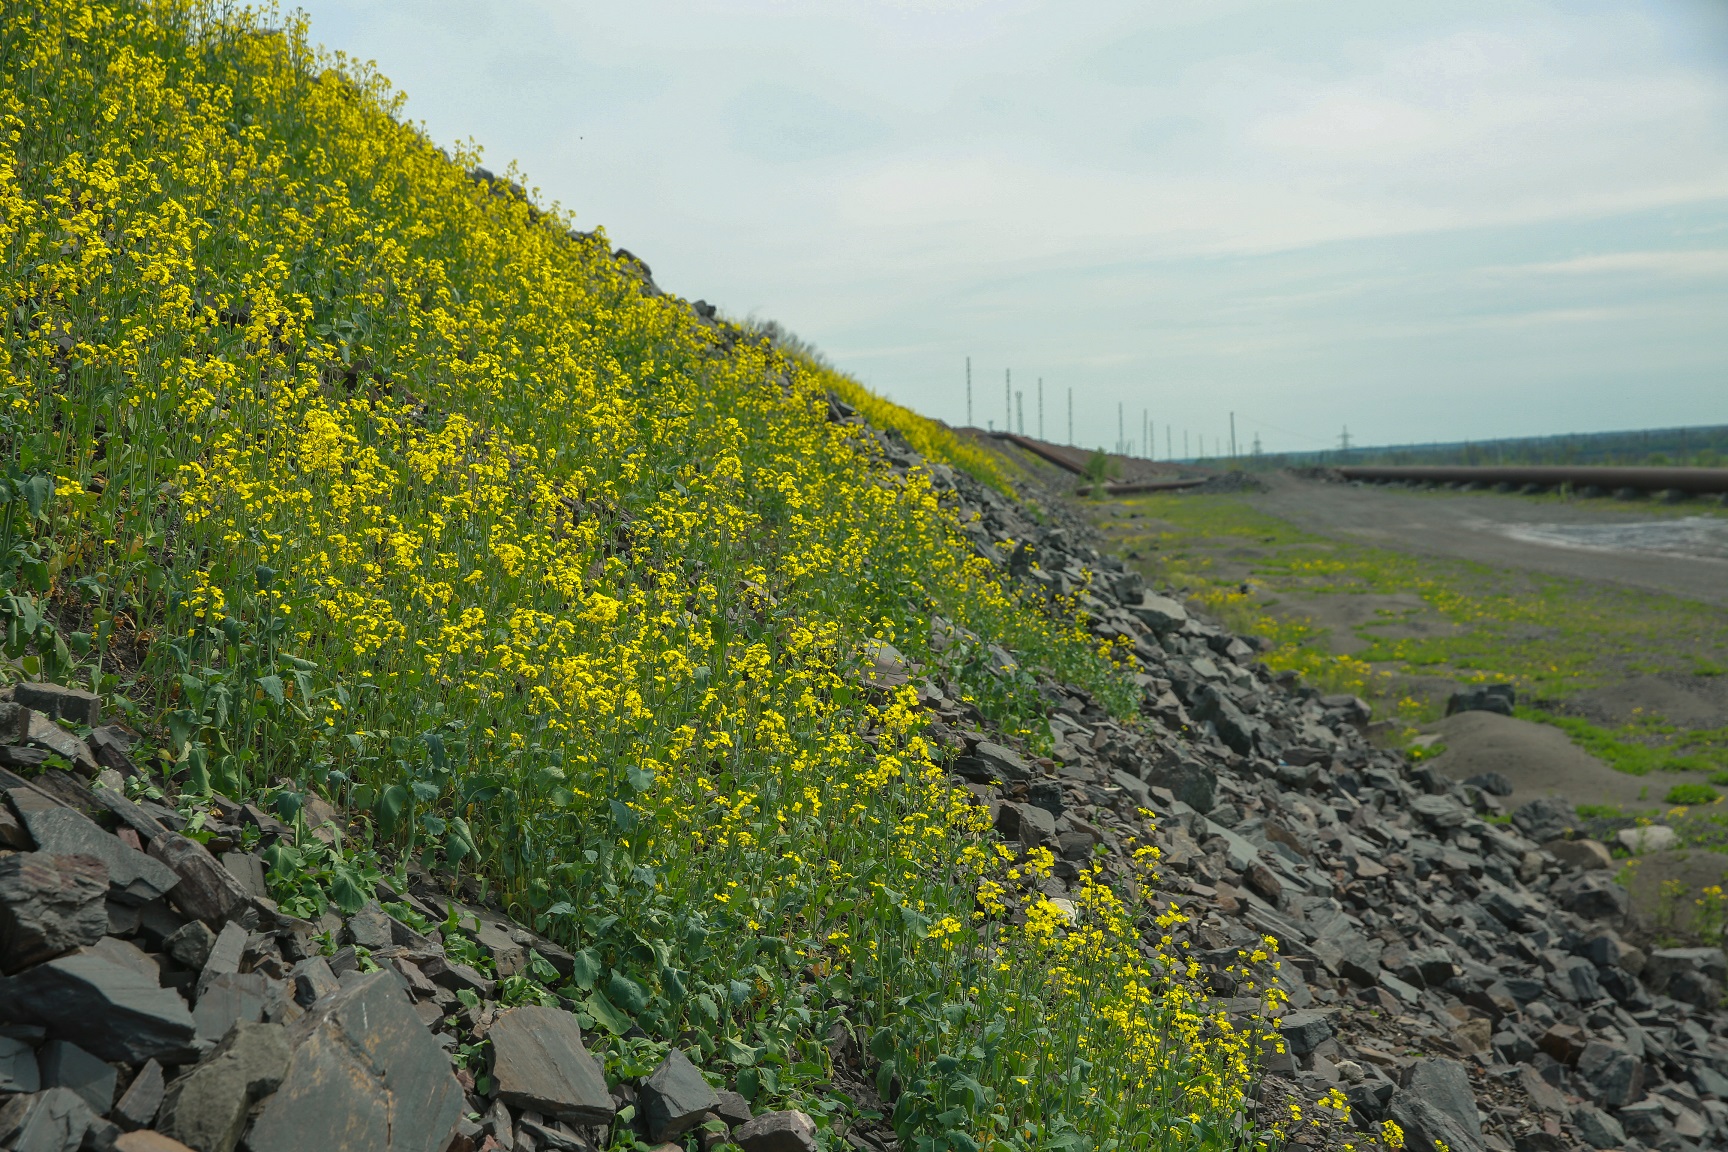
(1520, 532)
(1539, 760)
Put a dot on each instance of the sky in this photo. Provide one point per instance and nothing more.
(1417, 221)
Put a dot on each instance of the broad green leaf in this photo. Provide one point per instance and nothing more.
(605, 1014)
(626, 993)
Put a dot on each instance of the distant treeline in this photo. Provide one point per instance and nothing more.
(1700, 447)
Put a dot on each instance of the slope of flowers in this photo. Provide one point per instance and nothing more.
(349, 476)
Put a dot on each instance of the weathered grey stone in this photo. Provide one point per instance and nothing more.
(733, 1108)
(60, 702)
(49, 904)
(1191, 782)
(1436, 1103)
(247, 868)
(207, 891)
(312, 980)
(132, 876)
(112, 745)
(142, 1099)
(1263, 882)
(1594, 896)
(369, 928)
(1492, 783)
(455, 977)
(1031, 825)
(1440, 811)
(675, 1096)
(205, 1109)
(1483, 698)
(14, 722)
(145, 1141)
(1304, 1031)
(230, 998)
(65, 1065)
(1238, 731)
(539, 1063)
(1615, 1075)
(224, 958)
(44, 733)
(791, 1131)
(1545, 818)
(19, 1071)
(109, 1009)
(1599, 1129)
(991, 763)
(1648, 838)
(55, 1120)
(190, 944)
(1160, 613)
(365, 1074)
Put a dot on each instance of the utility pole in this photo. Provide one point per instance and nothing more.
(1344, 440)
(1070, 413)
(1020, 410)
(1008, 397)
(1040, 407)
(968, 391)
(1232, 435)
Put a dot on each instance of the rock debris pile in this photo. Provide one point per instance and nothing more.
(1458, 972)
(1461, 975)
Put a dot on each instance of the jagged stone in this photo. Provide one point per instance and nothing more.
(19, 1071)
(675, 1097)
(65, 1065)
(1436, 1103)
(49, 904)
(205, 1109)
(57, 701)
(365, 1074)
(190, 944)
(1031, 825)
(539, 1063)
(206, 891)
(790, 1131)
(55, 1120)
(44, 733)
(1599, 1129)
(110, 1009)
(142, 1099)
(1581, 855)
(1304, 1031)
(133, 877)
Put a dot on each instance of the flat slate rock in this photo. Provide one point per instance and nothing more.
(540, 1065)
(206, 1108)
(49, 904)
(365, 1076)
(65, 1065)
(52, 1121)
(109, 1009)
(675, 1097)
(790, 1131)
(207, 891)
(133, 877)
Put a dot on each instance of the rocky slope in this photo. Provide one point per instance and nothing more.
(1459, 976)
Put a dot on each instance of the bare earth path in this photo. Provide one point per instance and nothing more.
(1682, 551)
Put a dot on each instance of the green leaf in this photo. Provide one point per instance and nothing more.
(749, 1083)
(37, 491)
(272, 685)
(436, 752)
(605, 1014)
(389, 808)
(585, 969)
(639, 780)
(349, 891)
(626, 993)
(623, 817)
(738, 1053)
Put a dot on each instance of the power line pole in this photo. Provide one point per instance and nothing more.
(1344, 440)
(968, 391)
(1040, 407)
(1008, 398)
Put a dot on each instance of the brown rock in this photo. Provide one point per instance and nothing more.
(1263, 883)
(207, 891)
(790, 1131)
(1563, 1042)
(148, 1142)
(1580, 855)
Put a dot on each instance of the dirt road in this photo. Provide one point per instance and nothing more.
(1682, 551)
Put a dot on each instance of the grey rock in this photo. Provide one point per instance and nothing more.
(49, 904)
(65, 1065)
(1440, 811)
(110, 1009)
(247, 868)
(365, 1074)
(1545, 818)
(14, 723)
(190, 944)
(1304, 1031)
(1436, 1103)
(1191, 782)
(1615, 1075)
(675, 1097)
(52, 1121)
(790, 1131)
(142, 1099)
(206, 1108)
(44, 733)
(312, 980)
(1581, 855)
(132, 876)
(369, 928)
(1645, 1120)
(230, 998)
(207, 891)
(19, 1071)
(57, 701)
(1599, 1129)
(1594, 896)
(112, 747)
(539, 1063)
(1238, 731)
(1483, 698)
(1160, 613)
(991, 763)
(1492, 783)
(733, 1109)
(225, 956)
(1027, 823)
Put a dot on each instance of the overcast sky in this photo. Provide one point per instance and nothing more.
(1425, 221)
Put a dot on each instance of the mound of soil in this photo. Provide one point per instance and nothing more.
(1541, 761)
(1655, 918)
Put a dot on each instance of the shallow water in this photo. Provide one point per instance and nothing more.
(1705, 537)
